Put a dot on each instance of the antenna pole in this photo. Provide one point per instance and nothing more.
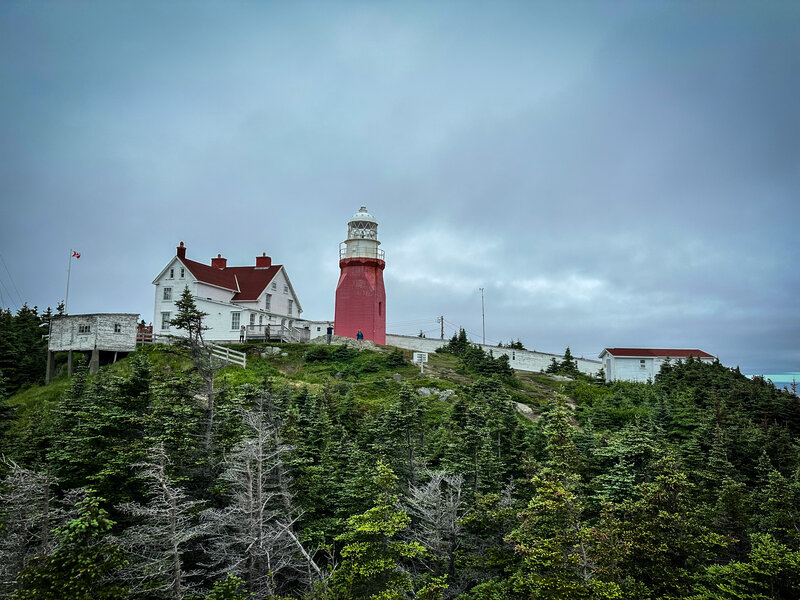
(69, 269)
(483, 318)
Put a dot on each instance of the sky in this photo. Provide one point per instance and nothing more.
(612, 174)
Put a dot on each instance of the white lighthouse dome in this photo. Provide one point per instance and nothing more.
(363, 215)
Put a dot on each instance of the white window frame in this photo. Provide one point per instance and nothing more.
(183, 272)
(165, 317)
(167, 296)
(285, 289)
(268, 302)
(252, 319)
(172, 273)
(642, 363)
(84, 328)
(274, 285)
(236, 320)
(289, 307)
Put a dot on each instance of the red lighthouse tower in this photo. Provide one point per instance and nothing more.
(360, 295)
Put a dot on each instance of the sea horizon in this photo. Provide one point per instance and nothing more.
(780, 380)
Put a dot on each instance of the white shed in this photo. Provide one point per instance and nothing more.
(643, 364)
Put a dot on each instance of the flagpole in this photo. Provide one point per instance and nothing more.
(69, 269)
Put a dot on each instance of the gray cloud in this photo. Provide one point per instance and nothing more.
(618, 174)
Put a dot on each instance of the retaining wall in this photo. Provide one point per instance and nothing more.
(524, 360)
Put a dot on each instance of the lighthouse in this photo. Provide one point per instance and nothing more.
(360, 295)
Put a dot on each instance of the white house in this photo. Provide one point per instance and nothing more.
(253, 296)
(643, 364)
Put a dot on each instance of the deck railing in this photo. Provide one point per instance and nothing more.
(360, 253)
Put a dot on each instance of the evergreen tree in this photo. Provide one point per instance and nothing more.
(372, 556)
(84, 565)
(189, 318)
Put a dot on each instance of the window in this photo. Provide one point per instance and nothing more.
(235, 320)
(84, 328)
(268, 302)
(380, 308)
(183, 272)
(513, 355)
(164, 320)
(642, 364)
(172, 273)
(252, 318)
(274, 285)
(260, 319)
(285, 289)
(168, 293)
(319, 328)
(289, 308)
(117, 328)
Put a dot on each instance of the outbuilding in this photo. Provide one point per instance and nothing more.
(104, 336)
(642, 364)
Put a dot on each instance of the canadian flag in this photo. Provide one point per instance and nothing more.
(76, 254)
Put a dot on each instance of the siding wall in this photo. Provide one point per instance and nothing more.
(64, 333)
(627, 368)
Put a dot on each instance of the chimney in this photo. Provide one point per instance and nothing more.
(181, 251)
(263, 261)
(219, 262)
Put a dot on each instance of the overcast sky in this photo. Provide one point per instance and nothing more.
(612, 174)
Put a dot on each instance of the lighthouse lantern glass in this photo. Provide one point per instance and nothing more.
(362, 230)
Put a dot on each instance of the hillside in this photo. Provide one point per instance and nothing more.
(329, 472)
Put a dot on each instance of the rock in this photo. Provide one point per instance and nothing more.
(445, 395)
(284, 354)
(525, 410)
(424, 391)
(338, 376)
(397, 377)
(560, 377)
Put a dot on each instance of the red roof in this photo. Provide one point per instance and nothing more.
(659, 352)
(247, 282)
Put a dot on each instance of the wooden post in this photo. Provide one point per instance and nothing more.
(48, 377)
(94, 361)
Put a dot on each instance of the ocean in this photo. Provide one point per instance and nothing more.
(783, 380)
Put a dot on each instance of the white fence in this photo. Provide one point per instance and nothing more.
(231, 356)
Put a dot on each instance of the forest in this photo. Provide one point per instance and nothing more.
(330, 472)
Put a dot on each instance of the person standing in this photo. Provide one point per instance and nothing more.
(241, 334)
(330, 333)
(360, 338)
(266, 333)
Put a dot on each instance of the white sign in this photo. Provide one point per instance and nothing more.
(420, 357)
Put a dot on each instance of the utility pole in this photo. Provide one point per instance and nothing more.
(483, 318)
(441, 320)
